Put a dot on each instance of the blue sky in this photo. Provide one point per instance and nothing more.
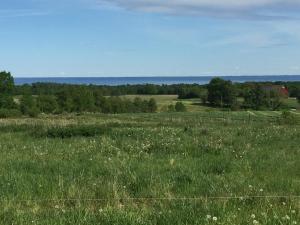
(149, 37)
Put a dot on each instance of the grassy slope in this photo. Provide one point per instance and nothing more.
(157, 156)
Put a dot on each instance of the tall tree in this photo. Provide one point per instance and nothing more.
(47, 103)
(221, 92)
(28, 105)
(255, 97)
(6, 83)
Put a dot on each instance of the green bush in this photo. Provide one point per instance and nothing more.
(171, 108)
(8, 113)
(72, 131)
(28, 106)
(287, 117)
(180, 107)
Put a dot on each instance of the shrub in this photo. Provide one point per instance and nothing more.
(180, 107)
(152, 105)
(8, 113)
(28, 106)
(47, 103)
(287, 118)
(171, 108)
(72, 131)
(7, 102)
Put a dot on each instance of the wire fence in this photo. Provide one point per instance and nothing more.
(201, 198)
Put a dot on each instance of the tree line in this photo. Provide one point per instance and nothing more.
(58, 98)
(70, 99)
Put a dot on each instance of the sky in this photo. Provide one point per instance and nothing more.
(40, 38)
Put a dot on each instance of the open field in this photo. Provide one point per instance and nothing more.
(181, 168)
(194, 105)
(163, 101)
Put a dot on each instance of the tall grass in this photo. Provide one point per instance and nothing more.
(149, 169)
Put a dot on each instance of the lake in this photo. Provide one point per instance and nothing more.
(150, 80)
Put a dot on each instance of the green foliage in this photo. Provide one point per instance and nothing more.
(180, 107)
(287, 117)
(47, 104)
(255, 97)
(204, 96)
(152, 105)
(83, 100)
(72, 131)
(6, 83)
(171, 108)
(7, 102)
(28, 106)
(194, 91)
(65, 101)
(9, 113)
(221, 92)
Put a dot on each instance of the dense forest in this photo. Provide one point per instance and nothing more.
(53, 98)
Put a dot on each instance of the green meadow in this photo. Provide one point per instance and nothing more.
(163, 168)
(195, 105)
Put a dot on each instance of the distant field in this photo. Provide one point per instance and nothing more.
(163, 101)
(194, 105)
(165, 168)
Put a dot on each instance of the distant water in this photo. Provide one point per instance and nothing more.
(151, 80)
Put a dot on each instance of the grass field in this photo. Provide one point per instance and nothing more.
(163, 101)
(181, 168)
(194, 105)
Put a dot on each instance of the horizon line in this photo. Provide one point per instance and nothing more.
(154, 76)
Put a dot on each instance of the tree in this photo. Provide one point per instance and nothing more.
(221, 92)
(65, 101)
(139, 105)
(255, 97)
(28, 106)
(83, 100)
(180, 107)
(152, 106)
(103, 104)
(273, 100)
(47, 103)
(6, 83)
(7, 102)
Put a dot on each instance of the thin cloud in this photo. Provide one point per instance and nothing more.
(21, 13)
(246, 9)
